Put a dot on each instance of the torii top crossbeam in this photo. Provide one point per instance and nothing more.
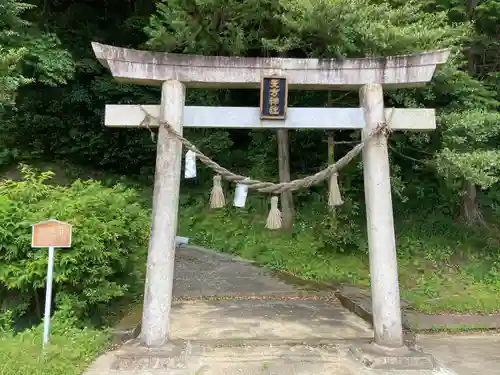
(150, 68)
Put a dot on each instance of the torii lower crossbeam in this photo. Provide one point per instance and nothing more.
(126, 116)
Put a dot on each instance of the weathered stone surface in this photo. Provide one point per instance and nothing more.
(150, 68)
(128, 115)
(229, 336)
(289, 319)
(359, 302)
(356, 300)
(126, 330)
(260, 359)
(200, 273)
(465, 354)
(170, 356)
(375, 357)
(458, 355)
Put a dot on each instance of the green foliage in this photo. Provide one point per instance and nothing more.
(365, 28)
(234, 27)
(321, 27)
(110, 233)
(26, 54)
(69, 352)
(10, 22)
(479, 166)
(470, 129)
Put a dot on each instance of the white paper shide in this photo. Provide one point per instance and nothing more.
(240, 195)
(190, 167)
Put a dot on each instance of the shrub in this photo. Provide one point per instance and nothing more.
(109, 244)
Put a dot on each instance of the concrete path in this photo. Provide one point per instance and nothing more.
(466, 354)
(230, 317)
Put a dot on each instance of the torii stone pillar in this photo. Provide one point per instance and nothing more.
(386, 306)
(161, 252)
(369, 75)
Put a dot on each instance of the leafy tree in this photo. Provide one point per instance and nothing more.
(329, 28)
(26, 54)
(10, 53)
(309, 28)
(469, 156)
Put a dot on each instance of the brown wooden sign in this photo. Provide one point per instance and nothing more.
(273, 98)
(51, 233)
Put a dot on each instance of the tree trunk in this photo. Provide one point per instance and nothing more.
(287, 209)
(331, 156)
(284, 170)
(471, 7)
(469, 209)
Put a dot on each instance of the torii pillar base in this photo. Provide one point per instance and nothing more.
(381, 358)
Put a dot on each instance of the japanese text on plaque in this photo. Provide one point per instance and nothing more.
(273, 100)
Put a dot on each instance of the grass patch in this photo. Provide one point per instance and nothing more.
(443, 266)
(69, 352)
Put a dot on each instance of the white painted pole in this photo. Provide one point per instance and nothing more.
(161, 253)
(48, 296)
(380, 225)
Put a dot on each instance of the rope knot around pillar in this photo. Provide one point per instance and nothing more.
(385, 127)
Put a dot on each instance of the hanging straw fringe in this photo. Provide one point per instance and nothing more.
(217, 199)
(274, 217)
(334, 197)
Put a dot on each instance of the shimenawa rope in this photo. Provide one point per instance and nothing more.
(269, 187)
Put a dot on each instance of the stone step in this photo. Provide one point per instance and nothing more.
(194, 359)
(191, 358)
(265, 320)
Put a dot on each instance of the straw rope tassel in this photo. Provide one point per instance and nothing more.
(274, 217)
(217, 199)
(334, 196)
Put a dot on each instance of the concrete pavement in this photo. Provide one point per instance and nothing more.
(230, 317)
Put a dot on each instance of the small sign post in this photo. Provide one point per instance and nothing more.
(51, 233)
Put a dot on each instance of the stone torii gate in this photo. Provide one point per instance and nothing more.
(174, 72)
